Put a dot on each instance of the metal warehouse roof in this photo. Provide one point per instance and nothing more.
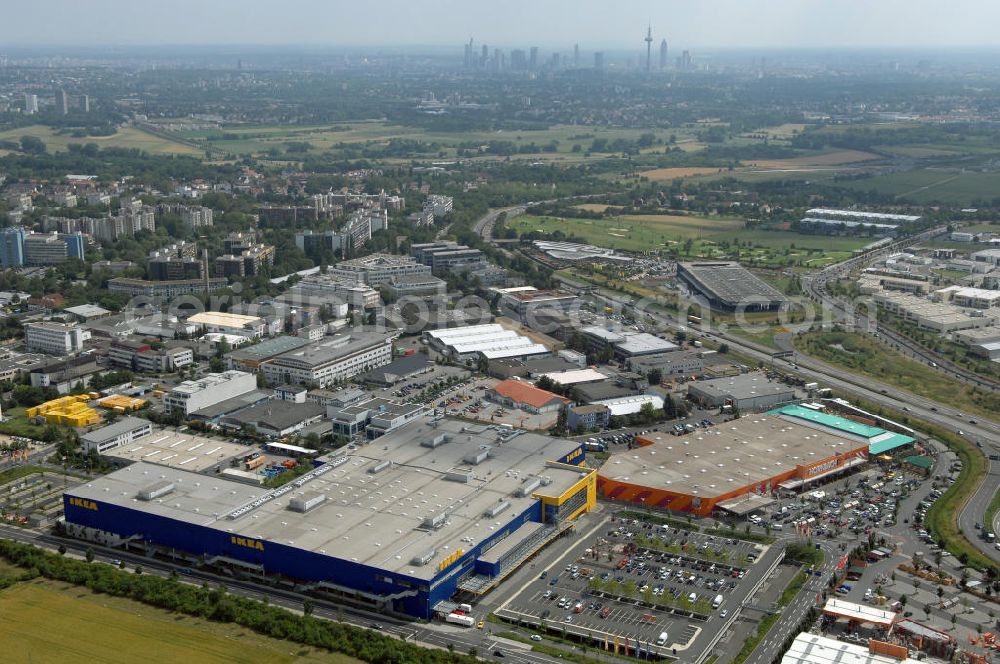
(859, 612)
(445, 335)
(515, 351)
(630, 405)
(815, 649)
(573, 377)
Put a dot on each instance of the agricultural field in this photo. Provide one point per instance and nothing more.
(779, 133)
(328, 138)
(126, 137)
(46, 621)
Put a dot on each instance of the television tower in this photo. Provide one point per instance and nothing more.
(649, 47)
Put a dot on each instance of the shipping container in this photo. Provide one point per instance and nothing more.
(459, 619)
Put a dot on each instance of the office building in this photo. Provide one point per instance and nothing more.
(55, 338)
(193, 395)
(142, 357)
(136, 287)
(12, 246)
(168, 268)
(331, 360)
(52, 248)
(123, 432)
(62, 102)
(377, 269)
(30, 103)
(663, 54)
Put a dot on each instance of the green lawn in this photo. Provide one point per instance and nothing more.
(126, 137)
(46, 621)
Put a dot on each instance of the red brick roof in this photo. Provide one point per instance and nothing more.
(526, 393)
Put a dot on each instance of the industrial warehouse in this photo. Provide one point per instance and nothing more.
(491, 341)
(434, 510)
(741, 465)
(728, 286)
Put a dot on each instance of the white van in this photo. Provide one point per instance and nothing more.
(717, 602)
(693, 597)
(662, 640)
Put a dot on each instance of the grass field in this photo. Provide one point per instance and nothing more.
(926, 186)
(46, 621)
(707, 234)
(324, 138)
(126, 137)
(629, 232)
(819, 160)
(667, 174)
(16, 424)
(868, 358)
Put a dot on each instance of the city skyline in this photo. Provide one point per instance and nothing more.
(716, 23)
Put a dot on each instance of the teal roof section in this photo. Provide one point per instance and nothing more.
(879, 440)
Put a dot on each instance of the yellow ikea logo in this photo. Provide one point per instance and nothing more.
(85, 504)
(574, 455)
(247, 542)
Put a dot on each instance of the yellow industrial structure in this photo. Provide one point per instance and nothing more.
(121, 403)
(70, 410)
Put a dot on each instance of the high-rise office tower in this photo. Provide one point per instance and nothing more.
(576, 56)
(30, 103)
(663, 54)
(85, 103)
(62, 102)
(533, 58)
(468, 54)
(649, 48)
(599, 60)
(484, 55)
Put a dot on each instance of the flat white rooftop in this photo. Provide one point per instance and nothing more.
(861, 612)
(815, 649)
(179, 450)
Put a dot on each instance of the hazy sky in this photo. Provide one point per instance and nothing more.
(547, 23)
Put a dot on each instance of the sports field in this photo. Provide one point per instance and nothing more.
(667, 174)
(49, 622)
(126, 137)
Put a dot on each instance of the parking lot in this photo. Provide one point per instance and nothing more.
(636, 581)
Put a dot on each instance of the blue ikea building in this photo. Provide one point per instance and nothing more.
(436, 511)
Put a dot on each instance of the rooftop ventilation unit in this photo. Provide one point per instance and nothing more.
(460, 476)
(436, 521)
(423, 558)
(546, 480)
(380, 466)
(306, 501)
(497, 509)
(157, 490)
(436, 441)
(528, 487)
(476, 458)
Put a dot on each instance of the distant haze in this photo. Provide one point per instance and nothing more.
(549, 24)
